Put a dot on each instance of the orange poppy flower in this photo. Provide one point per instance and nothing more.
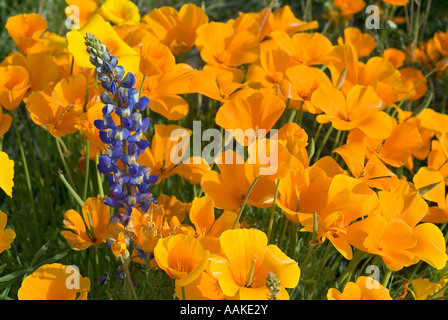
(271, 158)
(164, 80)
(146, 228)
(167, 140)
(423, 288)
(182, 257)
(397, 2)
(395, 56)
(207, 228)
(229, 186)
(377, 72)
(204, 287)
(433, 120)
(60, 113)
(438, 156)
(119, 245)
(245, 117)
(359, 109)
(396, 149)
(269, 70)
(176, 29)
(295, 140)
(302, 82)
(395, 234)
(91, 228)
(306, 48)
(410, 77)
(349, 7)
(365, 288)
(347, 200)
(42, 69)
(5, 122)
(120, 12)
(14, 83)
(102, 30)
(7, 235)
(282, 19)
(215, 86)
(54, 282)
(86, 9)
(364, 42)
(245, 263)
(175, 210)
(429, 178)
(371, 170)
(26, 31)
(222, 47)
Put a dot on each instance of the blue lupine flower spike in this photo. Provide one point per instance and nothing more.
(128, 187)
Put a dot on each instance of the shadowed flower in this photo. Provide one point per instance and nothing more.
(53, 282)
(91, 228)
(7, 235)
(14, 83)
(246, 260)
(365, 288)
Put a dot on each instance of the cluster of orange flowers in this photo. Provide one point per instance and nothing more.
(260, 67)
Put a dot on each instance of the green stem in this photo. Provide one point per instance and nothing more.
(87, 170)
(27, 176)
(99, 178)
(386, 278)
(244, 202)
(70, 188)
(324, 141)
(128, 278)
(271, 220)
(64, 163)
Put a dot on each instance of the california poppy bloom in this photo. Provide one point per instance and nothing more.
(361, 108)
(119, 245)
(395, 234)
(86, 9)
(160, 155)
(49, 282)
(245, 117)
(349, 7)
(366, 168)
(60, 113)
(120, 12)
(365, 288)
(364, 42)
(182, 257)
(14, 84)
(306, 48)
(222, 48)
(89, 228)
(395, 56)
(230, 185)
(103, 31)
(7, 235)
(164, 80)
(176, 29)
(26, 31)
(301, 81)
(246, 260)
(5, 122)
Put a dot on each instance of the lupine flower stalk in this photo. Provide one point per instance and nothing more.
(129, 183)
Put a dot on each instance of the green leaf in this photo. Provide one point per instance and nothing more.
(12, 276)
(421, 107)
(56, 257)
(40, 253)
